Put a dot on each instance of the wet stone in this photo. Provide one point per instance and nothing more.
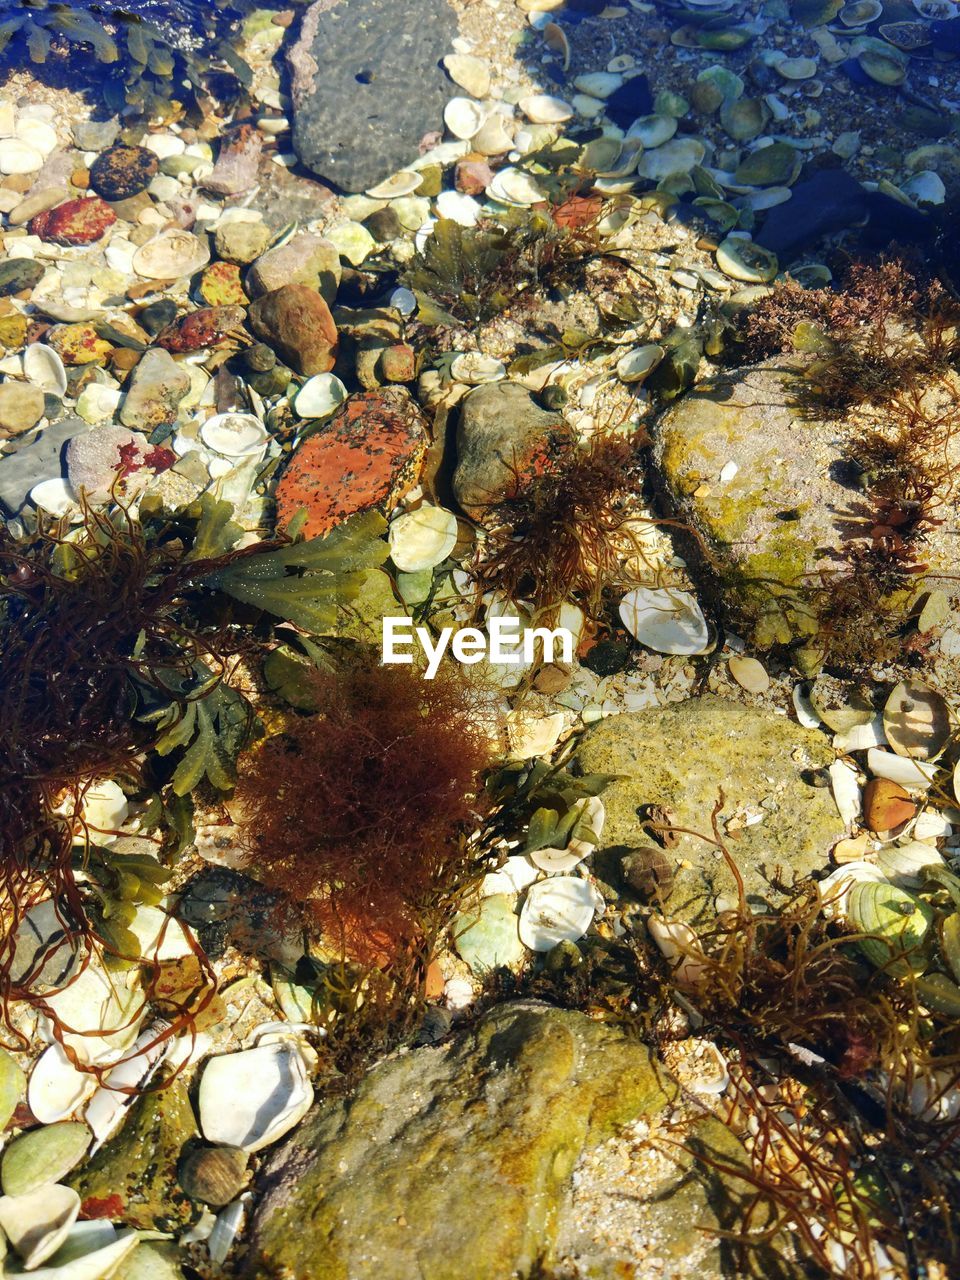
(39, 458)
(122, 172)
(241, 242)
(95, 135)
(17, 274)
(237, 163)
(75, 223)
(157, 316)
(221, 284)
(297, 323)
(21, 407)
(307, 258)
(156, 387)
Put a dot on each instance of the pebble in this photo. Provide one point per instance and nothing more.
(749, 674)
(17, 156)
(95, 135)
(77, 222)
(306, 258)
(156, 387)
(19, 274)
(40, 202)
(297, 323)
(237, 163)
(241, 242)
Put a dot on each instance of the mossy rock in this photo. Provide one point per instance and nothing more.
(681, 757)
(452, 1162)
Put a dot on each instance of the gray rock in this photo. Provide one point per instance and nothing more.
(94, 459)
(306, 258)
(501, 430)
(95, 135)
(237, 163)
(681, 757)
(367, 85)
(453, 1161)
(156, 387)
(33, 460)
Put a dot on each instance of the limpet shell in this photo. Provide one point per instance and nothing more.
(423, 538)
(251, 1098)
(542, 108)
(171, 255)
(463, 117)
(665, 620)
(402, 183)
(37, 1224)
(636, 364)
(43, 368)
(321, 395)
(473, 368)
(916, 720)
(515, 187)
(741, 259)
(234, 435)
(557, 910)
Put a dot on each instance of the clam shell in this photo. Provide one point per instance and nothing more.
(665, 620)
(473, 368)
(234, 435)
(916, 721)
(402, 183)
(653, 131)
(557, 910)
(885, 68)
(90, 1251)
(36, 1224)
(459, 208)
(636, 364)
(542, 108)
(797, 68)
(463, 117)
(171, 255)
(679, 155)
(680, 946)
(516, 874)
(251, 1098)
(925, 187)
(108, 1107)
(555, 38)
(515, 187)
(913, 774)
(44, 955)
(94, 1001)
(741, 259)
(834, 889)
(806, 713)
(43, 1155)
(44, 369)
(493, 139)
(321, 395)
(897, 924)
(860, 13)
(902, 864)
(55, 497)
(422, 539)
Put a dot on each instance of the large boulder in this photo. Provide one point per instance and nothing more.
(681, 758)
(452, 1162)
(367, 85)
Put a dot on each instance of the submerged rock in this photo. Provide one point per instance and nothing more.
(308, 259)
(367, 85)
(156, 387)
(296, 322)
(459, 1153)
(679, 758)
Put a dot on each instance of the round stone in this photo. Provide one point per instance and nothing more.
(121, 172)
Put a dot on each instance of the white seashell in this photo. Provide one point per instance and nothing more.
(931, 825)
(56, 1087)
(469, 72)
(637, 363)
(680, 946)
(234, 435)
(108, 1107)
(44, 368)
(98, 403)
(251, 1098)
(402, 183)
(17, 156)
(493, 139)
(908, 773)
(105, 808)
(44, 956)
(679, 155)
(797, 68)
(902, 864)
(925, 187)
(834, 889)
(557, 910)
(54, 496)
(422, 539)
(846, 791)
(94, 1000)
(515, 187)
(653, 131)
(860, 737)
(554, 861)
(741, 259)
(463, 117)
(160, 936)
(516, 874)
(37, 1224)
(598, 84)
(916, 720)
(473, 368)
(459, 207)
(542, 108)
(320, 395)
(665, 620)
(226, 1229)
(171, 255)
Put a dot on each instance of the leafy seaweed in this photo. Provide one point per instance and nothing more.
(215, 726)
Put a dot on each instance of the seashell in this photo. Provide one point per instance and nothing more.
(846, 791)
(745, 118)
(906, 36)
(516, 874)
(834, 889)
(469, 72)
(402, 183)
(214, 1175)
(839, 709)
(916, 720)
(90, 1251)
(515, 187)
(601, 154)
(665, 620)
(463, 117)
(160, 936)
(776, 165)
(54, 496)
(860, 737)
(422, 539)
(806, 713)
(235, 435)
(884, 67)
(44, 369)
(37, 134)
(913, 774)
(749, 674)
(542, 108)
(797, 68)
(897, 924)
(36, 1224)
(105, 808)
(557, 910)
(108, 1107)
(459, 208)
(680, 946)
(925, 187)
(43, 953)
(648, 871)
(473, 368)
(936, 9)
(493, 138)
(251, 1098)
(932, 825)
(555, 38)
(93, 1000)
(352, 241)
(637, 363)
(42, 1156)
(860, 13)
(653, 131)
(321, 395)
(903, 864)
(225, 1231)
(679, 155)
(171, 255)
(12, 1085)
(886, 805)
(598, 84)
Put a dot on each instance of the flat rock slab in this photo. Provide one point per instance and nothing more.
(680, 758)
(367, 84)
(451, 1162)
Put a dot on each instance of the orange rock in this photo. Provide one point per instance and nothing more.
(369, 455)
(296, 322)
(886, 805)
